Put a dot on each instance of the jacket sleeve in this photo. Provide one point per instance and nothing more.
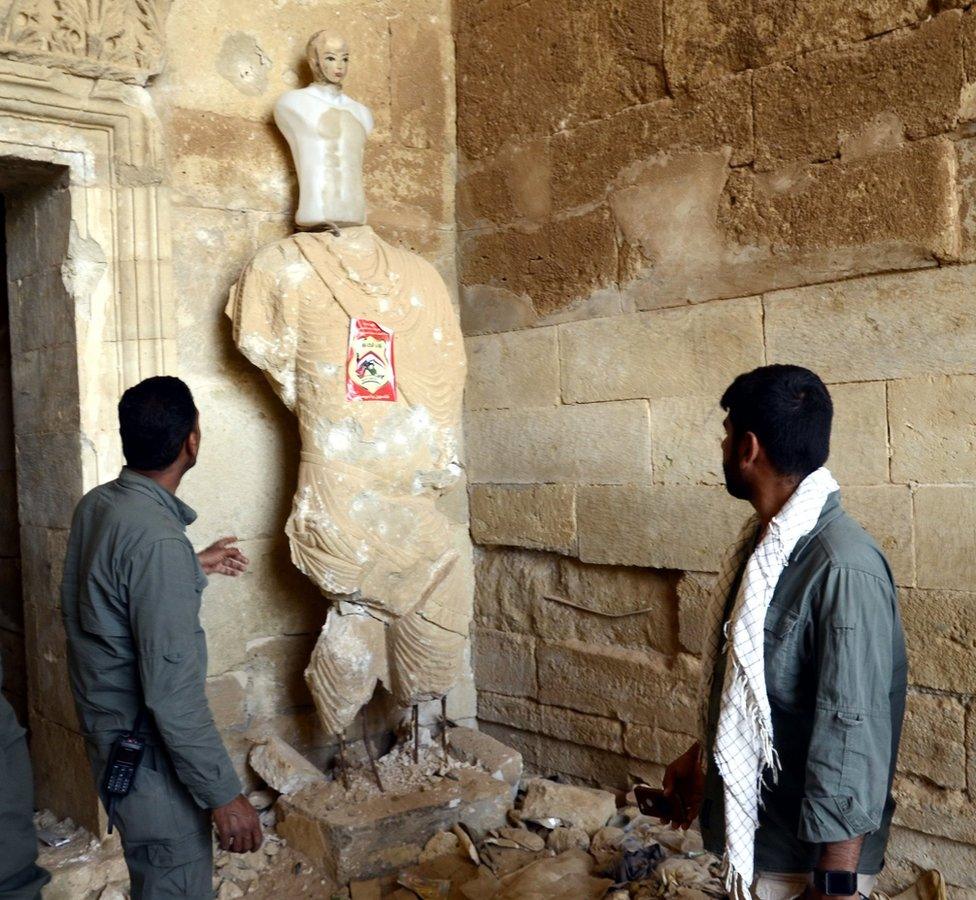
(847, 771)
(164, 611)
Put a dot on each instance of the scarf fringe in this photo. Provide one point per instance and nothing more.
(736, 886)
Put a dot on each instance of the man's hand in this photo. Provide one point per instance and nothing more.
(684, 785)
(238, 826)
(223, 559)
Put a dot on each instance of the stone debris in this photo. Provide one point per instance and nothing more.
(562, 839)
(441, 844)
(586, 808)
(262, 800)
(283, 767)
(400, 775)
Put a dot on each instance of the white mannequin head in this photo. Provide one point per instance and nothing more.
(328, 57)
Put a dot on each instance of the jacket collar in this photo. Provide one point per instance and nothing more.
(146, 486)
(831, 510)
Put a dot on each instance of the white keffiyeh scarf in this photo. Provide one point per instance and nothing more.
(743, 748)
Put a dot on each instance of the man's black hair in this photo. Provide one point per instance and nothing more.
(788, 408)
(155, 417)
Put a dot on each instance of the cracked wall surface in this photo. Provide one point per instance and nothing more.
(653, 197)
(233, 191)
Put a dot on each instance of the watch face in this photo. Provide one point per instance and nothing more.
(840, 884)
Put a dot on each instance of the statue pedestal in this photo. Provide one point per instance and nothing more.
(355, 839)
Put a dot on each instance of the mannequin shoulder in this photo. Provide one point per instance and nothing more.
(362, 113)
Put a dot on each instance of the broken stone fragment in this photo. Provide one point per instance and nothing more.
(586, 808)
(262, 800)
(479, 749)
(522, 837)
(283, 767)
(441, 844)
(562, 839)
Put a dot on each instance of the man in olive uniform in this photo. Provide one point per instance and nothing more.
(20, 876)
(131, 601)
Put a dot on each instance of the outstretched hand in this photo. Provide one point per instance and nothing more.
(223, 559)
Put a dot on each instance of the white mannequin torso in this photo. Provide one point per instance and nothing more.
(326, 131)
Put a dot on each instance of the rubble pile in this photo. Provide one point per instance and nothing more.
(563, 842)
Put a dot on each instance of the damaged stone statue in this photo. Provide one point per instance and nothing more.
(359, 339)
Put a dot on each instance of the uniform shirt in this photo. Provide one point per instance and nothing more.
(836, 676)
(130, 599)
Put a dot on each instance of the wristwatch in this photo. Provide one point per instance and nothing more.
(835, 884)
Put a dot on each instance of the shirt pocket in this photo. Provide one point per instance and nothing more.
(782, 655)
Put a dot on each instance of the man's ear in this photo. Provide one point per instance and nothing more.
(192, 444)
(749, 449)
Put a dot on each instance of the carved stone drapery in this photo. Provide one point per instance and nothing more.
(117, 39)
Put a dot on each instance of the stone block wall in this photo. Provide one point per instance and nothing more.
(654, 197)
(233, 191)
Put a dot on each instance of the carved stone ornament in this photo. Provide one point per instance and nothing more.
(117, 39)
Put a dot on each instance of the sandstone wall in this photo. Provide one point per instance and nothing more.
(653, 197)
(233, 191)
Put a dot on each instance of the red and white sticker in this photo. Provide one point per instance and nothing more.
(370, 363)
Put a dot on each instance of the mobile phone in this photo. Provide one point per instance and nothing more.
(654, 802)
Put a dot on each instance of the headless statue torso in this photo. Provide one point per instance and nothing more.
(326, 131)
(360, 340)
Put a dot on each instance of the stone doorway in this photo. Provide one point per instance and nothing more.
(89, 312)
(40, 466)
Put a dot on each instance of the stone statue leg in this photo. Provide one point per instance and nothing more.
(348, 659)
(424, 659)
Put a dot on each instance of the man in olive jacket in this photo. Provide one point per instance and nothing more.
(833, 655)
(130, 599)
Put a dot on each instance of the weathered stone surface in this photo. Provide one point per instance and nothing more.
(612, 605)
(694, 351)
(512, 186)
(479, 749)
(577, 807)
(586, 161)
(889, 326)
(885, 512)
(564, 724)
(667, 527)
(271, 598)
(388, 833)
(686, 440)
(513, 370)
(504, 579)
(540, 516)
(578, 66)
(282, 767)
(229, 162)
(859, 438)
(933, 423)
(44, 501)
(605, 443)
(553, 264)
(707, 38)
(504, 663)
(933, 741)
(945, 520)
(694, 590)
(635, 686)
(655, 744)
(911, 851)
(966, 183)
(62, 773)
(832, 220)
(940, 629)
(579, 764)
(804, 109)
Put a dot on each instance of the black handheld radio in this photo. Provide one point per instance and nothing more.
(123, 761)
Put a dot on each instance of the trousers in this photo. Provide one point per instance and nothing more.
(20, 876)
(786, 885)
(167, 839)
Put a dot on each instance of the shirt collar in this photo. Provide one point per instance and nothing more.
(134, 481)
